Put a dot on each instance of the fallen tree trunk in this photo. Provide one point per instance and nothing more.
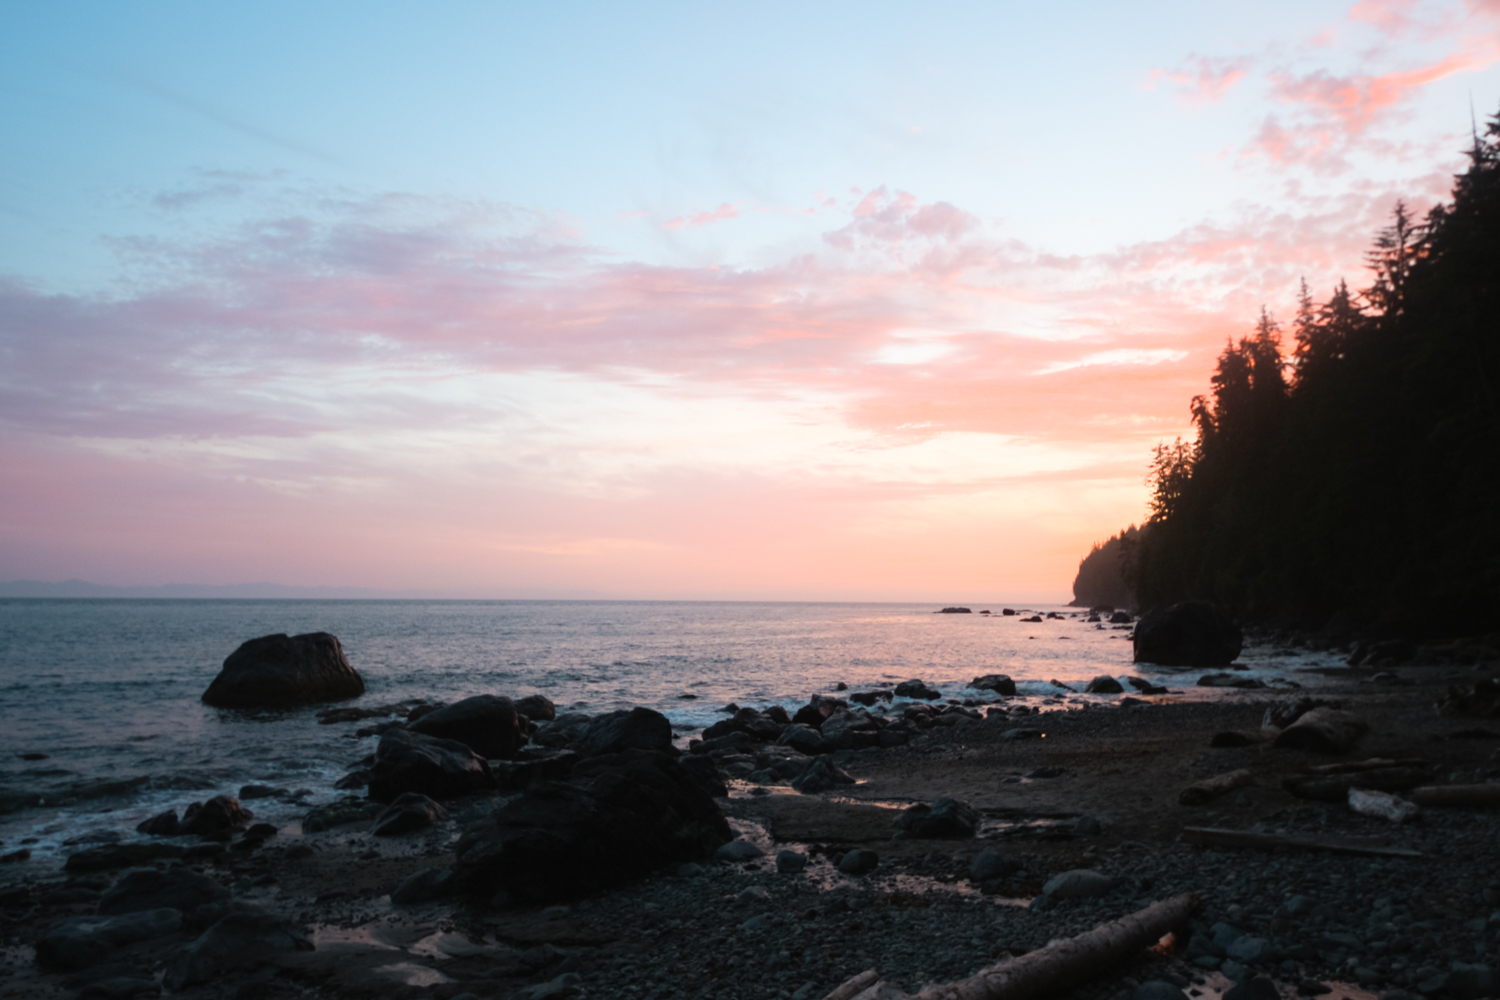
(1208, 789)
(1335, 787)
(1450, 796)
(1059, 966)
(1208, 836)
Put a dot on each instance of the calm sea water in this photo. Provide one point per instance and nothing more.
(109, 689)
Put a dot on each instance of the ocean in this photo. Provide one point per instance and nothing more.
(108, 690)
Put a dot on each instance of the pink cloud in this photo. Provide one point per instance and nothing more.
(1204, 80)
(723, 213)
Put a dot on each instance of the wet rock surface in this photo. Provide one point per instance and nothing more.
(397, 917)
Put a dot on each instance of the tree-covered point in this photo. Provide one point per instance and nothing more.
(1102, 580)
(1358, 471)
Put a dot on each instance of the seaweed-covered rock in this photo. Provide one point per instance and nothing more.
(280, 670)
(625, 815)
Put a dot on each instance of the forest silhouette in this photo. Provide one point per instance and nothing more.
(1356, 474)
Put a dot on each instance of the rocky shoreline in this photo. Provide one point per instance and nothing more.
(1063, 817)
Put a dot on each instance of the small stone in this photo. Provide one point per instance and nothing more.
(992, 863)
(689, 870)
(754, 894)
(790, 862)
(1256, 988)
(859, 861)
(737, 850)
(1158, 989)
(1087, 826)
(1080, 883)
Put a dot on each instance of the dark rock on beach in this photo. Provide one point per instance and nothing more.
(486, 724)
(627, 814)
(1104, 684)
(537, 708)
(999, 683)
(216, 819)
(161, 825)
(276, 671)
(534, 764)
(238, 940)
(1189, 634)
(340, 813)
(120, 856)
(917, 689)
(148, 889)
(944, 819)
(628, 729)
(84, 941)
(408, 813)
(440, 769)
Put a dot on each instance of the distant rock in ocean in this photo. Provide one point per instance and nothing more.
(275, 671)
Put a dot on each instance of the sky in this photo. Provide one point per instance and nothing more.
(769, 301)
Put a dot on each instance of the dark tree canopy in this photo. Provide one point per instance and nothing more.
(1357, 474)
(1103, 574)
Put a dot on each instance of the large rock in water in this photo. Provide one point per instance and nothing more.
(279, 670)
(626, 815)
(486, 724)
(440, 769)
(1190, 634)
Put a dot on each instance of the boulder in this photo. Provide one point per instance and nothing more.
(998, 683)
(408, 813)
(148, 889)
(275, 671)
(820, 707)
(628, 729)
(340, 813)
(757, 725)
(216, 819)
(992, 863)
(440, 769)
(537, 708)
(562, 731)
(534, 764)
(625, 814)
(161, 825)
(119, 856)
(944, 819)
(1322, 730)
(736, 851)
(706, 773)
(917, 689)
(868, 698)
(485, 723)
(116, 982)
(84, 941)
(859, 861)
(1189, 634)
(850, 729)
(1104, 684)
(801, 737)
(425, 886)
(821, 775)
(240, 939)
(790, 862)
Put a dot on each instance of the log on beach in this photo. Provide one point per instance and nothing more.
(1059, 966)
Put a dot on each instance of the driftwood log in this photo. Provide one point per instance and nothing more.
(1335, 787)
(1208, 836)
(1208, 789)
(1456, 796)
(1370, 764)
(1046, 971)
(1323, 730)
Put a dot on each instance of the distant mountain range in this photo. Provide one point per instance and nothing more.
(243, 591)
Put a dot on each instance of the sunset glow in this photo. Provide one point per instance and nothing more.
(562, 302)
